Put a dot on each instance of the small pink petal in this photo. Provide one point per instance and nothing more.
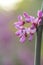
(33, 30)
(19, 18)
(25, 14)
(28, 30)
(19, 23)
(17, 26)
(35, 21)
(28, 20)
(39, 21)
(22, 39)
(17, 33)
(40, 13)
(31, 37)
(32, 18)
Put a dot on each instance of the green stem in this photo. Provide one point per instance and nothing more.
(38, 44)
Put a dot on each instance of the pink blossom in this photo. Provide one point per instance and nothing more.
(28, 18)
(30, 37)
(19, 18)
(32, 29)
(40, 13)
(23, 32)
(18, 33)
(31, 32)
(20, 23)
(25, 14)
(22, 39)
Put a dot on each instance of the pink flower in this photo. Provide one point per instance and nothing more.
(20, 22)
(40, 13)
(36, 22)
(32, 29)
(25, 14)
(18, 33)
(23, 32)
(28, 18)
(30, 37)
(18, 25)
(22, 39)
(31, 32)
(19, 18)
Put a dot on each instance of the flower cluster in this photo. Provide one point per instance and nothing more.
(22, 32)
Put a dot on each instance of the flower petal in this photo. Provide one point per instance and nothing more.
(19, 18)
(26, 15)
(31, 37)
(40, 13)
(22, 39)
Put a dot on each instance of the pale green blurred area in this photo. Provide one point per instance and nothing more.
(14, 47)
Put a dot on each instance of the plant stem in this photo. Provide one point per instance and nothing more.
(38, 44)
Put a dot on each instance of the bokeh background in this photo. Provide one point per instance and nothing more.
(12, 52)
